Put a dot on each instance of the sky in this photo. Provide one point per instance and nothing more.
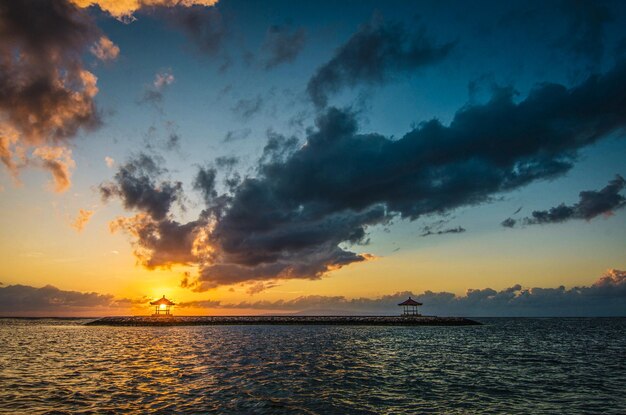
(245, 157)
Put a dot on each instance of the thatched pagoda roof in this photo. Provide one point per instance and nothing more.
(160, 301)
(410, 301)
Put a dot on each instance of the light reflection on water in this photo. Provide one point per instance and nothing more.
(506, 366)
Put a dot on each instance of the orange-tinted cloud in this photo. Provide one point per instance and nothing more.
(46, 95)
(58, 161)
(82, 219)
(162, 79)
(105, 49)
(123, 9)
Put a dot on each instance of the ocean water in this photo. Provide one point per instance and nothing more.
(507, 366)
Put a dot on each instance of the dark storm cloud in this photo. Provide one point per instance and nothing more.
(310, 204)
(135, 184)
(46, 95)
(591, 204)
(37, 25)
(429, 232)
(606, 297)
(282, 45)
(278, 147)
(373, 55)
(206, 182)
(290, 220)
(160, 243)
(488, 148)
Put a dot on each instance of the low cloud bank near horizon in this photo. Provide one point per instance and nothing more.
(50, 301)
(605, 297)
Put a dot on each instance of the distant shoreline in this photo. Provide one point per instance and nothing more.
(284, 320)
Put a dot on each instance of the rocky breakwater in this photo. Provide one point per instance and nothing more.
(284, 320)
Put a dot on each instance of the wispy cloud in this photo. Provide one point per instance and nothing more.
(372, 55)
(205, 27)
(105, 49)
(282, 45)
(58, 161)
(163, 79)
(82, 219)
(245, 109)
(429, 232)
(154, 92)
(237, 135)
(592, 203)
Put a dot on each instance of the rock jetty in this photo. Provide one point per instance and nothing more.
(284, 320)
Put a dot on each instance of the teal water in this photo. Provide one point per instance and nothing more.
(507, 366)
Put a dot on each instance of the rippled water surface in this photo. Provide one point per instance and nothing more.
(505, 366)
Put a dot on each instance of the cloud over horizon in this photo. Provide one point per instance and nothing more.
(309, 205)
(605, 297)
(24, 300)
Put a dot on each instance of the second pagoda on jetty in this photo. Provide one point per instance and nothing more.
(410, 307)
